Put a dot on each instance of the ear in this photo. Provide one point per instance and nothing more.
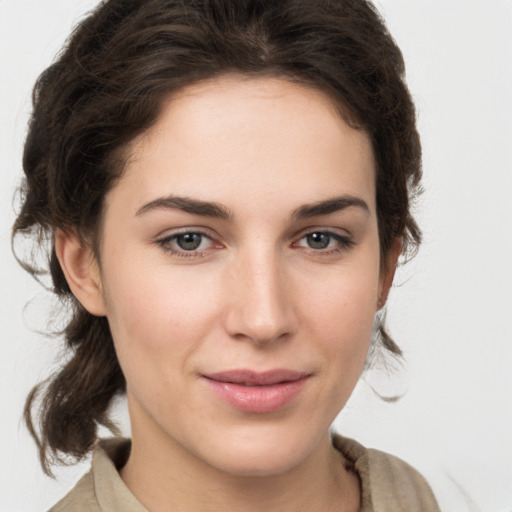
(81, 270)
(388, 271)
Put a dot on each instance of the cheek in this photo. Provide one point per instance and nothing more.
(345, 299)
(158, 315)
(341, 314)
(345, 323)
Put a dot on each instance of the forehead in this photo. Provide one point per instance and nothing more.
(266, 137)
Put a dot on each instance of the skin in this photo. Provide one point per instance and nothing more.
(256, 294)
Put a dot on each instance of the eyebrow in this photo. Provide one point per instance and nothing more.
(329, 206)
(215, 210)
(188, 205)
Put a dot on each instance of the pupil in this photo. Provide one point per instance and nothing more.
(318, 240)
(189, 241)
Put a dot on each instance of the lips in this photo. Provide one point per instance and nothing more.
(257, 392)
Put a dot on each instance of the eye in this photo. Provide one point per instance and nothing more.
(189, 243)
(326, 241)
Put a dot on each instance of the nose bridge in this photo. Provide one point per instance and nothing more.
(260, 308)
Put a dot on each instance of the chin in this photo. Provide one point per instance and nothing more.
(257, 465)
(260, 454)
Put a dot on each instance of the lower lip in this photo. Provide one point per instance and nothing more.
(258, 399)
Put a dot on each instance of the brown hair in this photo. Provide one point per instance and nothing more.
(107, 86)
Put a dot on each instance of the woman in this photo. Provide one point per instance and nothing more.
(225, 187)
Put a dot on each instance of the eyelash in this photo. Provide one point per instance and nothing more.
(343, 243)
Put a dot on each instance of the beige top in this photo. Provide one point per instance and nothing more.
(388, 484)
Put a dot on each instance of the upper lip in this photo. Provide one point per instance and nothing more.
(253, 378)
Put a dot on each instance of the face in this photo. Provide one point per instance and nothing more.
(240, 273)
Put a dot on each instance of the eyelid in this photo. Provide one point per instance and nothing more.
(329, 230)
(182, 230)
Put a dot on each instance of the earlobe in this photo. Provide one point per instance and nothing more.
(388, 271)
(81, 270)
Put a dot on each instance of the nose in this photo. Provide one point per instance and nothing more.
(261, 308)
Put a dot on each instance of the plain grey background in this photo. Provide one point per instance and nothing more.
(449, 309)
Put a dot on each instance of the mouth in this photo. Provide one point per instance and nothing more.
(251, 378)
(257, 392)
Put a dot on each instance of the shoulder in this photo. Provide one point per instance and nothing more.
(388, 483)
(81, 497)
(102, 489)
(392, 477)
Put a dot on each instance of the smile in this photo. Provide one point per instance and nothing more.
(255, 392)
